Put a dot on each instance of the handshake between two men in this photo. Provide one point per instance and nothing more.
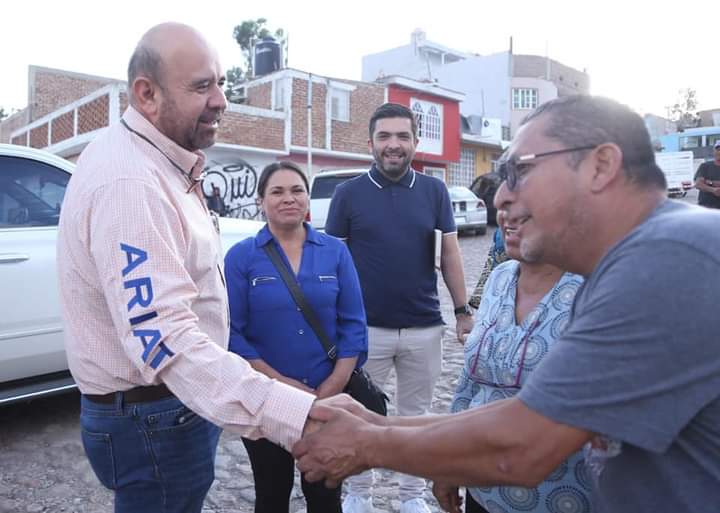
(500, 443)
(343, 438)
(332, 446)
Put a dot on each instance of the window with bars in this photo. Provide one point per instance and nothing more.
(524, 98)
(495, 162)
(437, 172)
(432, 124)
(419, 117)
(462, 173)
(429, 119)
(506, 133)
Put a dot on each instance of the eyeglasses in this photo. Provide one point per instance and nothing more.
(513, 169)
(511, 381)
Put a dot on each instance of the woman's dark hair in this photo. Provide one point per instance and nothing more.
(272, 169)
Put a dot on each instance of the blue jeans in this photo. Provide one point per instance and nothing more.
(158, 457)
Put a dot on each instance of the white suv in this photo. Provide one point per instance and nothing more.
(32, 355)
(322, 187)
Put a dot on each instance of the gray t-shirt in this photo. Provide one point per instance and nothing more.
(640, 363)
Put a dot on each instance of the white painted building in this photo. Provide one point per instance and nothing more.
(501, 86)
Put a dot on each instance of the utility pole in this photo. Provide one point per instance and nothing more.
(309, 126)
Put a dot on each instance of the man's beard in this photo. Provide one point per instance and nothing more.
(185, 135)
(393, 170)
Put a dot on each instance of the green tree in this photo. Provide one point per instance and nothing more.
(3, 114)
(233, 77)
(684, 111)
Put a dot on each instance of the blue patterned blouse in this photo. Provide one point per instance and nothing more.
(499, 357)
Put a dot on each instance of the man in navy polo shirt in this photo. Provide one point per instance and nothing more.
(388, 218)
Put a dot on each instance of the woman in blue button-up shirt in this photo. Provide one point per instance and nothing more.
(269, 330)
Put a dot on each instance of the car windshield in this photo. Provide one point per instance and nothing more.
(461, 194)
(324, 186)
(30, 193)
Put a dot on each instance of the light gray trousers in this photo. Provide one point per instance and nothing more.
(416, 356)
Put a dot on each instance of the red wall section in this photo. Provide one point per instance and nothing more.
(451, 121)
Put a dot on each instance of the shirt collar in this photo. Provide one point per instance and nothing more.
(407, 180)
(264, 235)
(192, 163)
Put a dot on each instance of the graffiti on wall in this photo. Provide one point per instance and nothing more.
(237, 186)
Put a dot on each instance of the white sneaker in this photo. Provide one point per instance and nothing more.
(416, 505)
(357, 504)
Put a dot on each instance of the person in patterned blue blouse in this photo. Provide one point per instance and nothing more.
(524, 308)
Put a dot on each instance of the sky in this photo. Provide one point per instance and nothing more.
(638, 52)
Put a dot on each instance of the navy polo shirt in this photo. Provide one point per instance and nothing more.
(390, 230)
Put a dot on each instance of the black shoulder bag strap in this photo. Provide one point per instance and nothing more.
(300, 300)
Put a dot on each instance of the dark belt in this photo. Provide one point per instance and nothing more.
(134, 395)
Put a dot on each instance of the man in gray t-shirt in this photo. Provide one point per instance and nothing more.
(638, 367)
(639, 363)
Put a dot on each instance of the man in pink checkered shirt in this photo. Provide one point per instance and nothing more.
(143, 294)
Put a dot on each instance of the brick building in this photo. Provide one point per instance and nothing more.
(67, 110)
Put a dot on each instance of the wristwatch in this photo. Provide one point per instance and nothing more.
(463, 310)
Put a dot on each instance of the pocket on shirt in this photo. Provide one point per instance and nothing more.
(328, 281)
(260, 281)
(328, 289)
(267, 293)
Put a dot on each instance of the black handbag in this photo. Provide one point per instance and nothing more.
(360, 387)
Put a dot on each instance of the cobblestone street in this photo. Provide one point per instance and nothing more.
(43, 467)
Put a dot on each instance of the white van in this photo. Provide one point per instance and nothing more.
(679, 168)
(322, 187)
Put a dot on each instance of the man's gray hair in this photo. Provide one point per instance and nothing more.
(583, 120)
(145, 61)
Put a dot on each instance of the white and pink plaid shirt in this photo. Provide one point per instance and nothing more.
(142, 290)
